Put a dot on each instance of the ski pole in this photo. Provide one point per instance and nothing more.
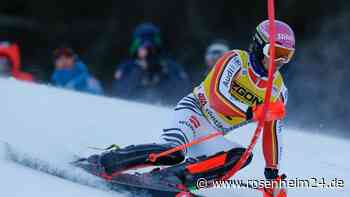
(103, 149)
(153, 156)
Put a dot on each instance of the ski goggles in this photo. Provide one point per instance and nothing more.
(282, 54)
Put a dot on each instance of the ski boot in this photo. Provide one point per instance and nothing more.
(135, 156)
(211, 168)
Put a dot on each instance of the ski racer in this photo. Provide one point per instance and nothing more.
(230, 96)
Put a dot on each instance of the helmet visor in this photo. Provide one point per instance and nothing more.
(282, 54)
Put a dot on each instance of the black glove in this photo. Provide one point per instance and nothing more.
(249, 113)
(271, 174)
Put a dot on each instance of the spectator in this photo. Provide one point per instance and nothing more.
(71, 73)
(213, 52)
(10, 63)
(149, 75)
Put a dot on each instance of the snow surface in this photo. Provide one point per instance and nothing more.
(51, 125)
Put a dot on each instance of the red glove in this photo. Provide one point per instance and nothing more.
(276, 111)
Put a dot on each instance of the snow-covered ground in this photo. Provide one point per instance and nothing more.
(51, 125)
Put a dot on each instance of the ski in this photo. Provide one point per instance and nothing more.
(134, 184)
(138, 184)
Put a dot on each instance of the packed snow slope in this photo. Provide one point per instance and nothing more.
(51, 125)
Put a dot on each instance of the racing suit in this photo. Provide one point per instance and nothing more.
(221, 102)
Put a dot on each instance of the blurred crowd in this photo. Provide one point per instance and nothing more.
(148, 74)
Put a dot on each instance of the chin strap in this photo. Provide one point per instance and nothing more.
(257, 65)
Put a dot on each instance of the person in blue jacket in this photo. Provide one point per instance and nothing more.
(149, 75)
(71, 73)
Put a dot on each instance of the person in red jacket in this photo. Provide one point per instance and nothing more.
(10, 62)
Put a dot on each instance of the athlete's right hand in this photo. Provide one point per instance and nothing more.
(276, 111)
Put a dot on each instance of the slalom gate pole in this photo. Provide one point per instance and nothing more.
(261, 121)
(271, 71)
